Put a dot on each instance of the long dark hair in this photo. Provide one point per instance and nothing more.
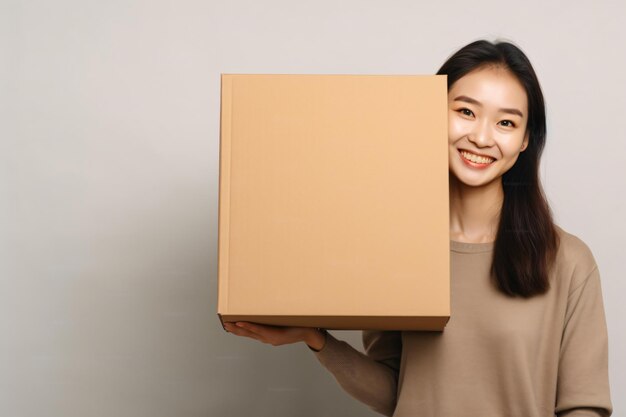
(527, 239)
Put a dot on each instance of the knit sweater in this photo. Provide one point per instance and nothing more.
(497, 356)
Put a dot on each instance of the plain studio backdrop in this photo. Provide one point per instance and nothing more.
(109, 157)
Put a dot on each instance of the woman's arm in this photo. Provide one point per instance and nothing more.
(371, 378)
(583, 377)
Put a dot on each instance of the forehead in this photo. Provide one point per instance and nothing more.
(493, 87)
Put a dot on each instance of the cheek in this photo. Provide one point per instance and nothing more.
(511, 146)
(456, 128)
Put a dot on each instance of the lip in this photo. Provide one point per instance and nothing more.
(473, 164)
(479, 154)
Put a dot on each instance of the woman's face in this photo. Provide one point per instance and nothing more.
(487, 115)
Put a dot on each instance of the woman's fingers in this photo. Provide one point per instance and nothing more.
(274, 335)
(258, 329)
(240, 331)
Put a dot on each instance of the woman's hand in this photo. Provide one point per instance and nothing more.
(276, 335)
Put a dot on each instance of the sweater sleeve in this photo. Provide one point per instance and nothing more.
(583, 374)
(371, 378)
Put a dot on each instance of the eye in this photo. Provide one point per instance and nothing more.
(464, 110)
(511, 124)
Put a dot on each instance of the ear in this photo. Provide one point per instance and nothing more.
(525, 142)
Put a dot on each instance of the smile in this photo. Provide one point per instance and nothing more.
(480, 160)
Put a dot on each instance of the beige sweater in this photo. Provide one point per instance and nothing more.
(497, 357)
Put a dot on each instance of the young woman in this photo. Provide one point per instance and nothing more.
(527, 335)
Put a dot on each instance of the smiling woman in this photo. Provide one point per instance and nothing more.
(527, 336)
(496, 109)
(487, 132)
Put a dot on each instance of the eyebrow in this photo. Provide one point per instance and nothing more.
(479, 104)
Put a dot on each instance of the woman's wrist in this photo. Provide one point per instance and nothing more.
(316, 339)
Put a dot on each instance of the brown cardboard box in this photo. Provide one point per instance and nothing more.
(333, 201)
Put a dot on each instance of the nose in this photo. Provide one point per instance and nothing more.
(481, 135)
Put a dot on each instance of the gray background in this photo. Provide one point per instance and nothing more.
(109, 184)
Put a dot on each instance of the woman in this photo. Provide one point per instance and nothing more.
(527, 335)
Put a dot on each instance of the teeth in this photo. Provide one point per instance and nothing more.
(477, 159)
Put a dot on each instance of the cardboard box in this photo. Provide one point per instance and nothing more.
(333, 201)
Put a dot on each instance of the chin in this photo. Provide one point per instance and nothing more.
(472, 181)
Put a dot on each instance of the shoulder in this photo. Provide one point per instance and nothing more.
(574, 258)
(573, 250)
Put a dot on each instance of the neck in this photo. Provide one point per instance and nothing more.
(475, 211)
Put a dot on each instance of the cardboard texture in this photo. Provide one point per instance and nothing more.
(333, 201)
